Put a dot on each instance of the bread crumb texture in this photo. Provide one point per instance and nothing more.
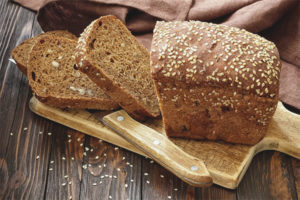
(21, 52)
(214, 81)
(112, 57)
(55, 79)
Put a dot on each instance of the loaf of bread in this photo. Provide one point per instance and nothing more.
(21, 52)
(112, 57)
(214, 81)
(56, 80)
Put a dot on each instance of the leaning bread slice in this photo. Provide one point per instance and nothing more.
(112, 57)
(21, 52)
(56, 80)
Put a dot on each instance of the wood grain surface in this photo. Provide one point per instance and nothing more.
(26, 155)
(226, 163)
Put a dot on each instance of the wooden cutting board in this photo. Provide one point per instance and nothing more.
(226, 163)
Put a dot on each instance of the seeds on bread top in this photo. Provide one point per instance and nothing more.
(205, 53)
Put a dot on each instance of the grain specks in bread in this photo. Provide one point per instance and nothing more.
(21, 52)
(112, 57)
(56, 80)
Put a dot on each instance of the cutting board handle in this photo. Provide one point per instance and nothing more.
(157, 146)
(283, 133)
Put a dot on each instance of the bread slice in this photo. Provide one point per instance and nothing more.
(21, 52)
(56, 80)
(112, 57)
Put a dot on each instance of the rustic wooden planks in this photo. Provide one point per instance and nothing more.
(25, 157)
(269, 177)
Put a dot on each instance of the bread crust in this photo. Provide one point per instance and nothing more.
(96, 74)
(214, 82)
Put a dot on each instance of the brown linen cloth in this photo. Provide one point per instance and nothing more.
(277, 20)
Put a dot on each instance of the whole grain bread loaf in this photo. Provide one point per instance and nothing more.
(21, 52)
(112, 57)
(214, 81)
(55, 79)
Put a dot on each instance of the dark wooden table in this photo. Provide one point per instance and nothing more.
(40, 159)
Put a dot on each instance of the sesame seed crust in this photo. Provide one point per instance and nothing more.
(214, 81)
(216, 55)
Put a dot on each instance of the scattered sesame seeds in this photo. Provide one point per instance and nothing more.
(49, 133)
(148, 182)
(162, 176)
(25, 128)
(37, 157)
(11, 134)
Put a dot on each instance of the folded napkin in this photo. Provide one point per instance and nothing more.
(277, 20)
